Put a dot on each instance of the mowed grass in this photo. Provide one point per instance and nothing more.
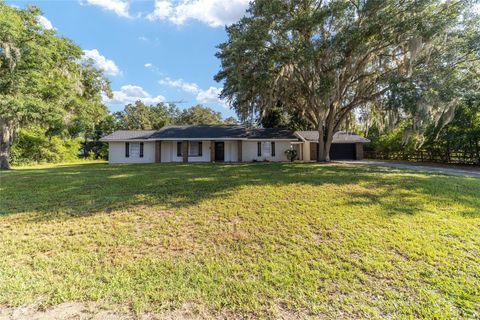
(245, 240)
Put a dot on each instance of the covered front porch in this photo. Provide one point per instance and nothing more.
(198, 150)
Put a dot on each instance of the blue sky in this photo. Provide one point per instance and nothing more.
(158, 50)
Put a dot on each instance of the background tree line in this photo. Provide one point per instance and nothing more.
(460, 136)
(36, 143)
(139, 116)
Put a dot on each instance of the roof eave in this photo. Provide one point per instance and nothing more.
(300, 136)
(271, 139)
(124, 140)
(200, 139)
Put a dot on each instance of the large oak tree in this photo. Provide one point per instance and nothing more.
(326, 58)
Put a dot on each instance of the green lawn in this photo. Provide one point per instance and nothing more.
(254, 240)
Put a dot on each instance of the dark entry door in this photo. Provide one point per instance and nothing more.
(219, 151)
(342, 151)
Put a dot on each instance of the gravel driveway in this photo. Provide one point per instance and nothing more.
(457, 171)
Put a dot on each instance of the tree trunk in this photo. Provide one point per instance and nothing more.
(6, 140)
(325, 135)
(321, 145)
(324, 144)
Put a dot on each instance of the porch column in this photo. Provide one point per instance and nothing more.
(212, 151)
(240, 157)
(158, 151)
(185, 150)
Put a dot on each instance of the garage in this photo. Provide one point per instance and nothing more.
(345, 145)
(343, 151)
(338, 151)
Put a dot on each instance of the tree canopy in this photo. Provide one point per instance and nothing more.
(42, 80)
(326, 59)
(199, 115)
(139, 116)
(460, 136)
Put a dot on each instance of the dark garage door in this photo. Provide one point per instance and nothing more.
(342, 151)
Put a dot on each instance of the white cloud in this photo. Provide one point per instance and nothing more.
(179, 83)
(131, 93)
(216, 13)
(163, 9)
(211, 95)
(148, 65)
(45, 23)
(108, 66)
(118, 6)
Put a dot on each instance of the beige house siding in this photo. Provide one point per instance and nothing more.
(231, 151)
(116, 153)
(249, 151)
(167, 151)
(306, 151)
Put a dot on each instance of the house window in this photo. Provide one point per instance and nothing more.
(179, 149)
(259, 149)
(195, 149)
(134, 150)
(127, 149)
(141, 149)
(273, 149)
(266, 149)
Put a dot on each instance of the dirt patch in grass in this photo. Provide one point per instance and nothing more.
(95, 311)
(66, 311)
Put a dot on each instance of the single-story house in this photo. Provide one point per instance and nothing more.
(218, 143)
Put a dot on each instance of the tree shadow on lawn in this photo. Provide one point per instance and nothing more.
(82, 189)
(410, 190)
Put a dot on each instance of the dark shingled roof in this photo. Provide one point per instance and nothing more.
(129, 135)
(201, 132)
(271, 133)
(338, 137)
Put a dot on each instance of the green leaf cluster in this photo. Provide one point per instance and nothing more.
(44, 81)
